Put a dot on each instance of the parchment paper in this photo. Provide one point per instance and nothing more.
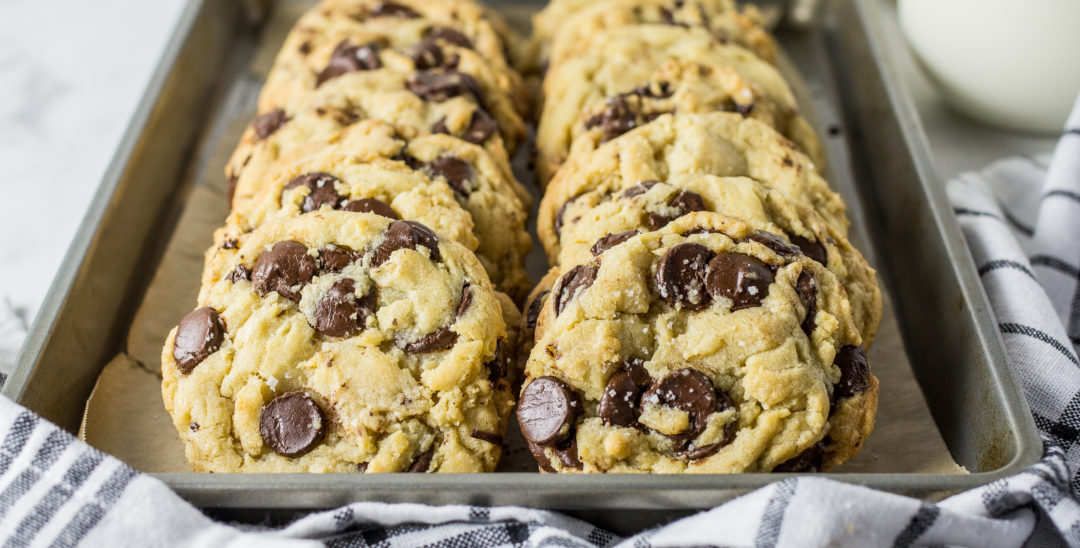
(125, 416)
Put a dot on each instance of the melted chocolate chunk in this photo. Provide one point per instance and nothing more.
(619, 403)
(568, 454)
(559, 215)
(742, 278)
(292, 424)
(200, 334)
(456, 172)
(611, 240)
(448, 35)
(541, 457)
(578, 279)
(347, 58)
(681, 276)
(700, 230)
(406, 235)
(661, 90)
(639, 189)
(533, 311)
(814, 250)
(241, 272)
(616, 119)
(500, 364)
(466, 300)
(322, 188)
(333, 258)
(370, 205)
(393, 9)
(806, 287)
(422, 461)
(690, 391)
(854, 372)
(684, 202)
(481, 127)
(285, 266)
(807, 461)
(547, 410)
(489, 437)
(440, 86)
(775, 243)
(339, 313)
(427, 55)
(267, 123)
(440, 339)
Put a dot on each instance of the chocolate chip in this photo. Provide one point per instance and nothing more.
(616, 119)
(547, 410)
(578, 279)
(742, 278)
(636, 368)
(489, 437)
(229, 243)
(406, 235)
(347, 58)
(339, 313)
(559, 215)
(322, 188)
(684, 202)
(681, 276)
(200, 334)
(745, 110)
(814, 250)
(689, 390)
(456, 172)
(440, 339)
(370, 205)
(807, 461)
(533, 312)
(361, 467)
(241, 272)
(700, 230)
(427, 55)
(422, 462)
(333, 258)
(661, 90)
(267, 123)
(440, 86)
(481, 127)
(292, 424)
(568, 454)
(775, 243)
(440, 127)
(193, 426)
(500, 364)
(611, 240)
(232, 179)
(698, 453)
(466, 300)
(639, 189)
(619, 403)
(393, 9)
(854, 372)
(541, 457)
(449, 35)
(806, 287)
(285, 266)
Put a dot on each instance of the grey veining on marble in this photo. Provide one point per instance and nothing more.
(71, 73)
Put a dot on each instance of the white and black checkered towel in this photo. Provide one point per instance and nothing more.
(1021, 217)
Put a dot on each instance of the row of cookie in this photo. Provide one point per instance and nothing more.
(438, 74)
(705, 312)
(347, 319)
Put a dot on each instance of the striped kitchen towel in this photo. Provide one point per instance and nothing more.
(1021, 217)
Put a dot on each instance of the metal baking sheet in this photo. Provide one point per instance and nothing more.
(877, 159)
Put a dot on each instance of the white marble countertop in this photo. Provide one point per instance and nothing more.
(71, 73)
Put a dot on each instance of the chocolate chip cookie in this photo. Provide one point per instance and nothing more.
(696, 349)
(594, 89)
(447, 184)
(337, 38)
(594, 219)
(341, 342)
(354, 97)
(719, 143)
